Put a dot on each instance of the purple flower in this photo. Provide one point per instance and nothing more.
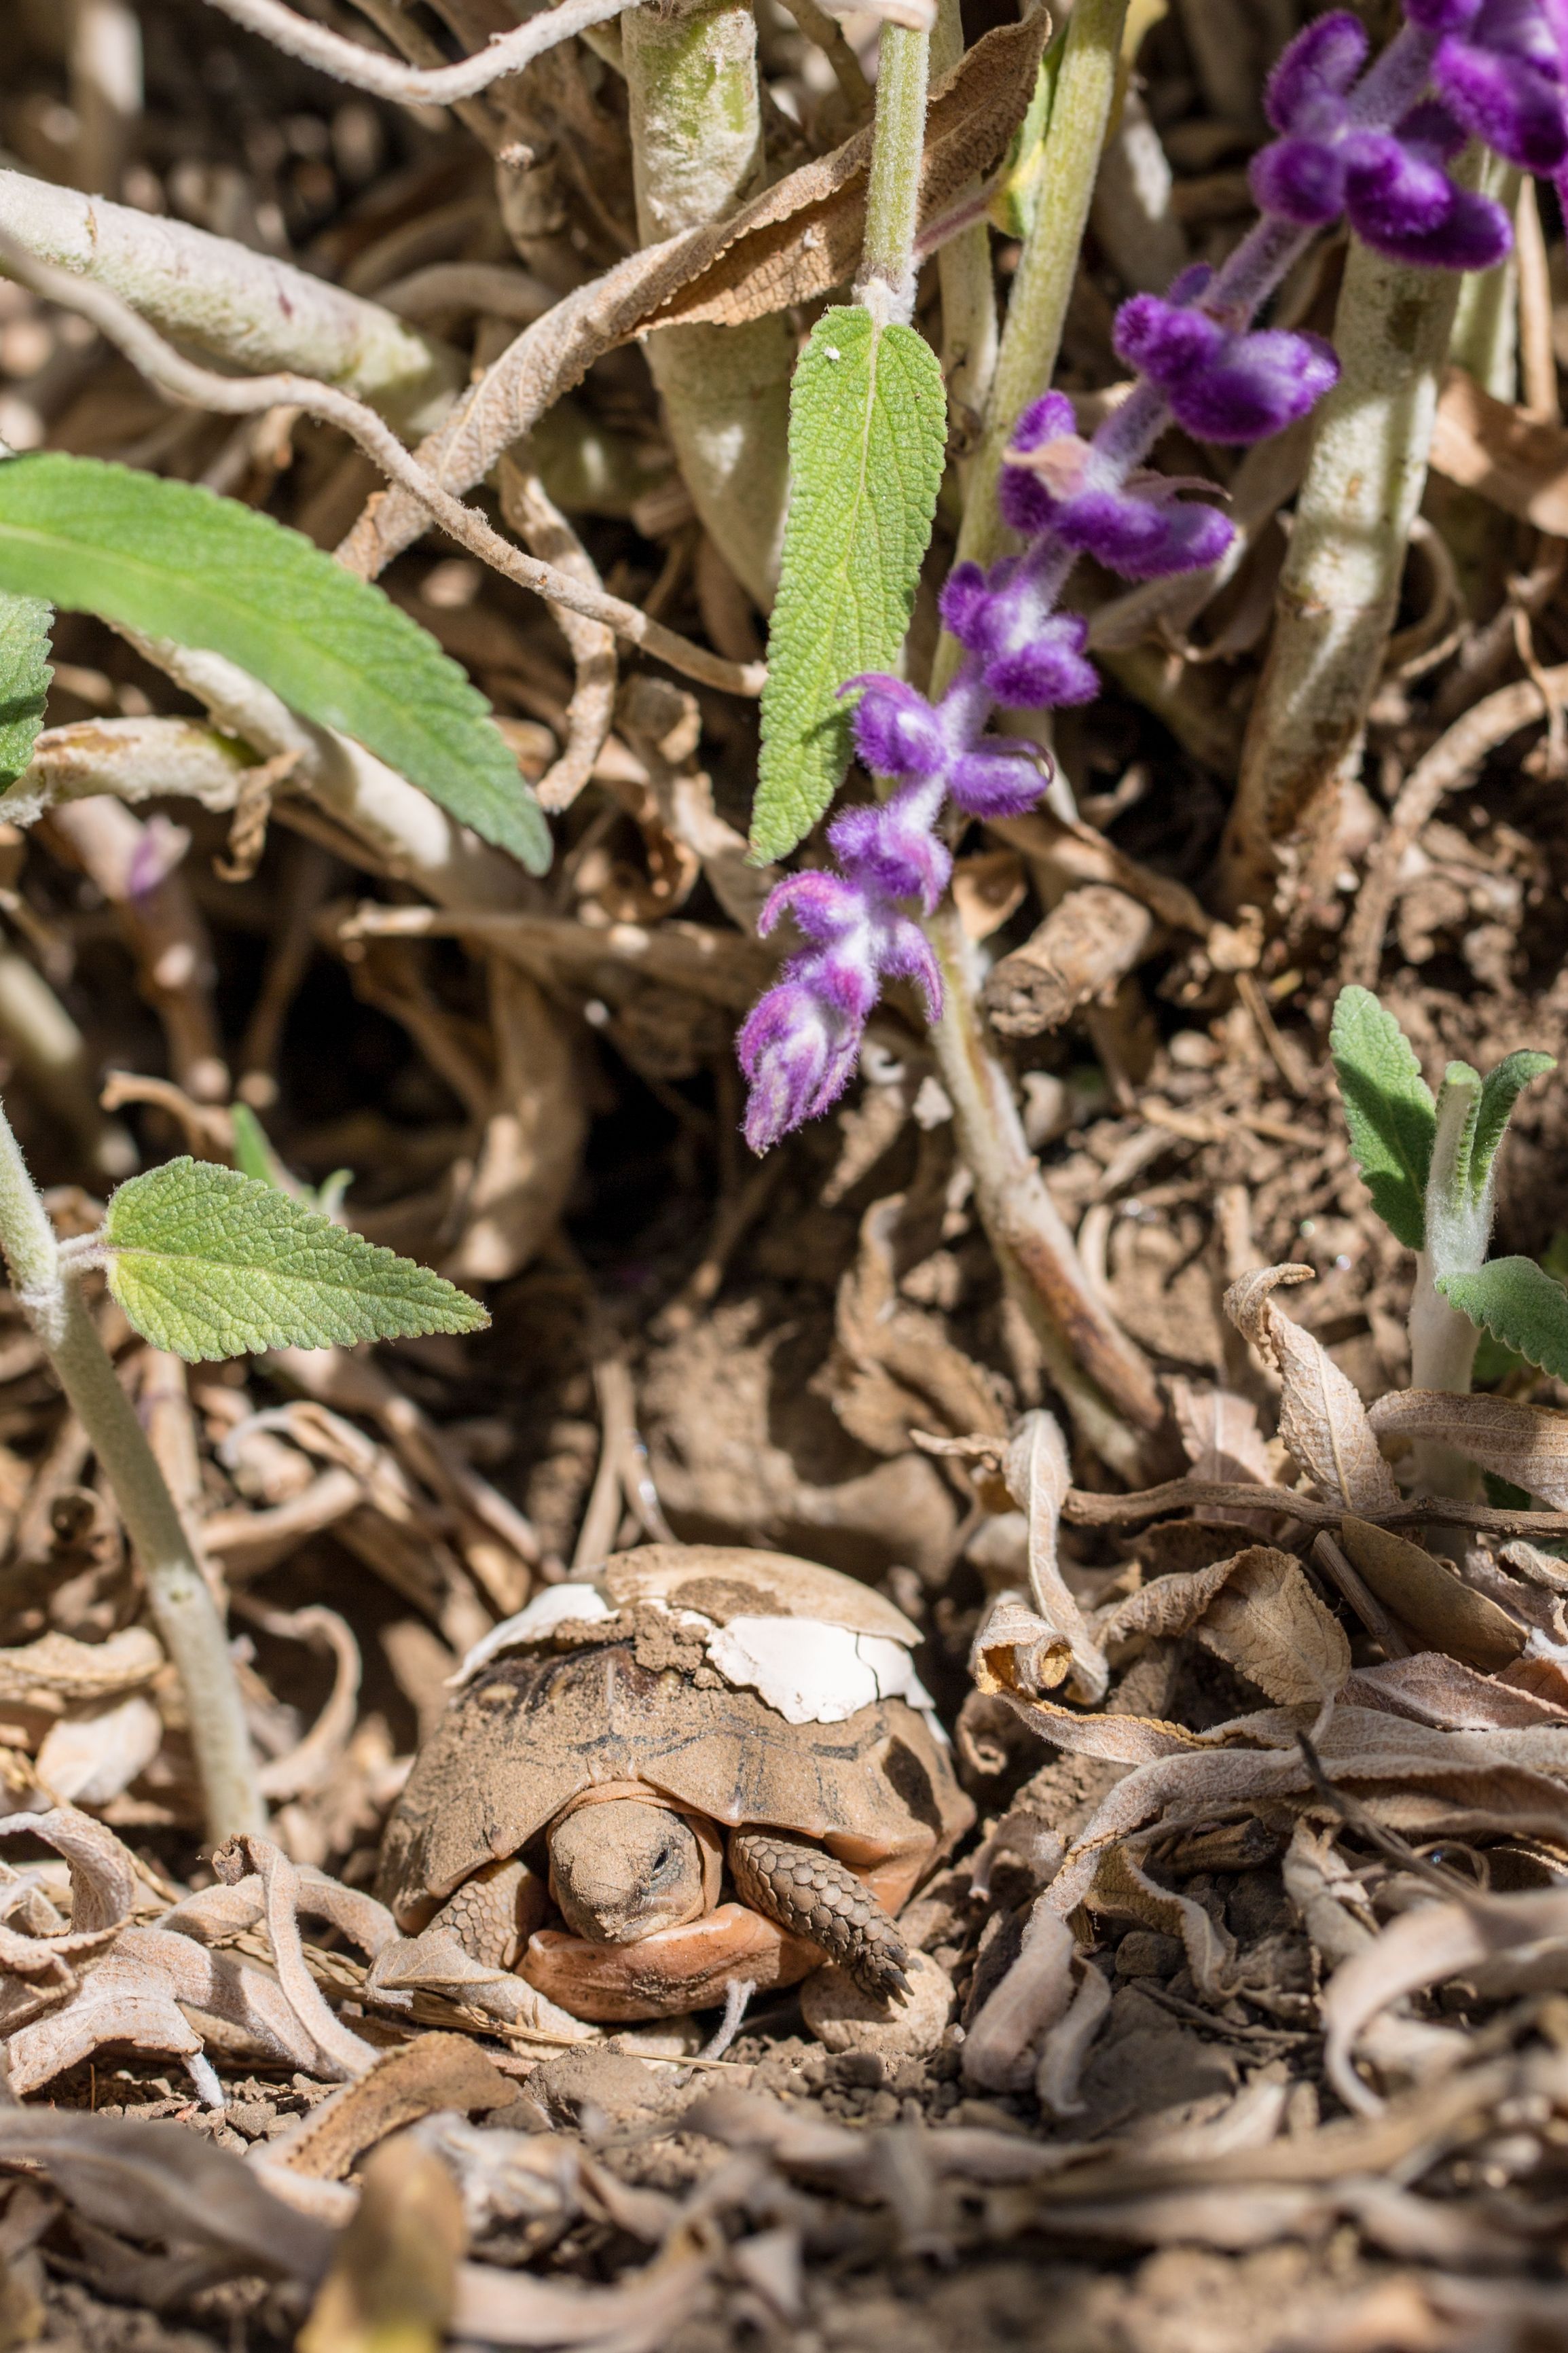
(1500, 69)
(1138, 528)
(894, 847)
(999, 778)
(896, 732)
(1031, 658)
(1388, 178)
(797, 1054)
(1223, 384)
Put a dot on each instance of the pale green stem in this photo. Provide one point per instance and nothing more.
(1485, 340)
(886, 280)
(1443, 1342)
(1339, 591)
(1080, 109)
(696, 152)
(182, 1606)
(1105, 1385)
(969, 329)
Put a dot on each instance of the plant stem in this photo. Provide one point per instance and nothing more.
(697, 150)
(1107, 1387)
(1080, 109)
(187, 1618)
(969, 331)
(886, 284)
(1339, 591)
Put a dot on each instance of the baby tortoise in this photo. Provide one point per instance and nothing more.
(701, 1768)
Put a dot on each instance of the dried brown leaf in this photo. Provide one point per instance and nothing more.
(1516, 461)
(1000, 2049)
(640, 2312)
(1502, 1943)
(1122, 1888)
(1268, 1622)
(436, 2071)
(1432, 1688)
(1430, 1598)
(99, 1748)
(1322, 1419)
(163, 2183)
(1527, 1444)
(59, 1667)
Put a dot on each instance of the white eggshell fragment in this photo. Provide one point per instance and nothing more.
(548, 1608)
(812, 1672)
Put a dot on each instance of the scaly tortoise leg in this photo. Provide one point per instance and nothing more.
(805, 1889)
(493, 1914)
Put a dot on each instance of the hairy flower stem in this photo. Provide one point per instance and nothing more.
(697, 150)
(1339, 591)
(182, 1605)
(1106, 1386)
(886, 284)
(1080, 109)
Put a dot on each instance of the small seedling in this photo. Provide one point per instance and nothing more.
(1430, 1165)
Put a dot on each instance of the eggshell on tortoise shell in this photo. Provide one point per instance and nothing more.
(724, 1581)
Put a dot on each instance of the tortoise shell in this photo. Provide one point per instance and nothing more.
(538, 1725)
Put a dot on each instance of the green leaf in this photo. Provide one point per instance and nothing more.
(1500, 1091)
(24, 675)
(1451, 1178)
(174, 561)
(208, 1263)
(868, 428)
(1388, 1109)
(1519, 1304)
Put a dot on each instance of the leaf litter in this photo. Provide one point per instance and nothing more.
(1258, 1954)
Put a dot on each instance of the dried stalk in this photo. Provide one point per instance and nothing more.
(349, 62)
(697, 152)
(241, 306)
(969, 325)
(1107, 1387)
(532, 515)
(1339, 591)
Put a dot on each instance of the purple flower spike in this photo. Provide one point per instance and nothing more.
(1046, 668)
(1221, 384)
(1320, 65)
(1503, 71)
(1139, 530)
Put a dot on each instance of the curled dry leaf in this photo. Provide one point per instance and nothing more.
(1430, 1598)
(1322, 1419)
(638, 2314)
(893, 1366)
(1516, 461)
(1120, 1887)
(1000, 2049)
(1223, 1442)
(438, 2071)
(1431, 1688)
(281, 1896)
(1067, 2046)
(1255, 1610)
(310, 1767)
(1500, 1944)
(98, 1747)
(1033, 1649)
(162, 2182)
(1526, 1444)
(57, 1666)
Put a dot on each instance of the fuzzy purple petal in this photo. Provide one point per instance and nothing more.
(1442, 15)
(1321, 62)
(1167, 342)
(824, 907)
(1507, 100)
(894, 848)
(1024, 502)
(788, 1049)
(992, 781)
(1302, 180)
(1142, 537)
(1262, 383)
(966, 604)
(896, 732)
(1048, 670)
(907, 955)
(1474, 233)
(1046, 419)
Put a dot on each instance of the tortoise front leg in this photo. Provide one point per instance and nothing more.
(494, 1914)
(807, 1892)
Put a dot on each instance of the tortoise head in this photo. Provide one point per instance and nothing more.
(621, 1870)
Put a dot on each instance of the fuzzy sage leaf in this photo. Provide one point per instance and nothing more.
(867, 433)
(1519, 1305)
(1388, 1109)
(1501, 1090)
(208, 1263)
(24, 675)
(174, 561)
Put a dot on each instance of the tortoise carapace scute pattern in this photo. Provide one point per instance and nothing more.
(537, 1726)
